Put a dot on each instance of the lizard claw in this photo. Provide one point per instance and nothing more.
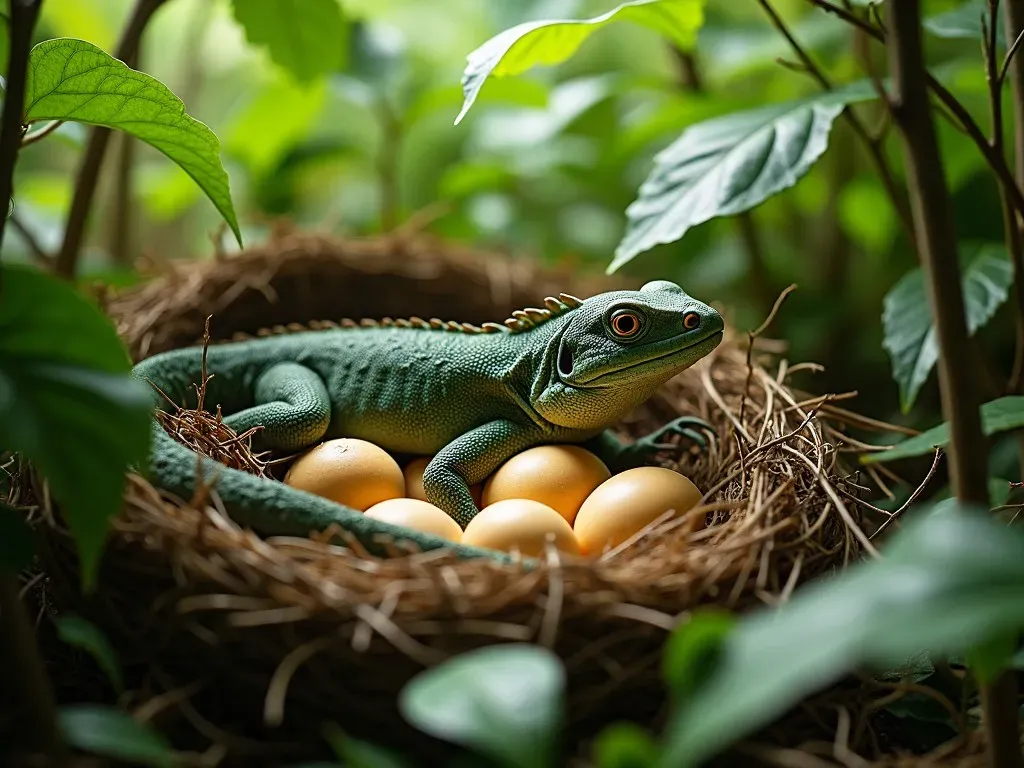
(689, 427)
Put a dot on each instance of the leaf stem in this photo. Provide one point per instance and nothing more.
(22, 23)
(96, 148)
(874, 146)
(42, 133)
(387, 165)
(23, 672)
(932, 212)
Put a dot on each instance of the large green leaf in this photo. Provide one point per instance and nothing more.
(949, 581)
(1002, 415)
(309, 38)
(67, 403)
(730, 164)
(505, 701)
(965, 22)
(74, 80)
(907, 318)
(112, 733)
(547, 43)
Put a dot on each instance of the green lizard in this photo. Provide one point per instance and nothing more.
(470, 396)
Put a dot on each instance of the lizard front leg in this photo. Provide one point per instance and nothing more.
(468, 460)
(292, 406)
(620, 456)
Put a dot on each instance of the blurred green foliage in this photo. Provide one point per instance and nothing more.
(357, 139)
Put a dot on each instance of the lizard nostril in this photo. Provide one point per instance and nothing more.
(691, 320)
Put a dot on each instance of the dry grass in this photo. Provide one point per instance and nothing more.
(295, 630)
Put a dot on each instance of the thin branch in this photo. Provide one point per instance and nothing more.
(38, 253)
(96, 148)
(913, 497)
(1009, 56)
(21, 24)
(875, 148)
(42, 133)
(937, 239)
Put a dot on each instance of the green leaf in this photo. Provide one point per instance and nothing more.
(112, 733)
(964, 22)
(990, 657)
(949, 581)
(693, 650)
(730, 164)
(76, 631)
(354, 753)
(546, 43)
(504, 701)
(17, 540)
(309, 38)
(1001, 415)
(625, 745)
(74, 80)
(907, 318)
(67, 403)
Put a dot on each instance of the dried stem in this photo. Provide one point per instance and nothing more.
(873, 145)
(937, 247)
(22, 23)
(96, 148)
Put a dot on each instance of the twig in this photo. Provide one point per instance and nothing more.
(913, 497)
(95, 149)
(42, 133)
(21, 25)
(1009, 55)
(874, 147)
(40, 255)
(937, 239)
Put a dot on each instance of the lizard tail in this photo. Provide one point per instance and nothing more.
(272, 508)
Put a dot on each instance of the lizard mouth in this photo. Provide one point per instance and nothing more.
(659, 359)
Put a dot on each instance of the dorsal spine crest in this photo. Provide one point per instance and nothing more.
(522, 320)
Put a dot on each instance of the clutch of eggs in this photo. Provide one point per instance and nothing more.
(561, 493)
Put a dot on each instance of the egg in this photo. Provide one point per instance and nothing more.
(628, 502)
(414, 481)
(352, 472)
(560, 476)
(417, 515)
(519, 525)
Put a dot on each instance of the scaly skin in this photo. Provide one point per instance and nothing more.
(470, 399)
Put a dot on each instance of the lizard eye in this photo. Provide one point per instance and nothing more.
(565, 360)
(691, 320)
(625, 323)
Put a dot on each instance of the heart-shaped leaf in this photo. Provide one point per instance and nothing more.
(67, 403)
(907, 318)
(547, 43)
(309, 38)
(950, 581)
(112, 733)
(74, 80)
(504, 701)
(1001, 415)
(730, 164)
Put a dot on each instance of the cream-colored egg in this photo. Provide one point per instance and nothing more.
(560, 476)
(414, 481)
(520, 525)
(630, 501)
(352, 472)
(417, 515)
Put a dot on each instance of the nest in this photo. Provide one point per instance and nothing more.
(271, 637)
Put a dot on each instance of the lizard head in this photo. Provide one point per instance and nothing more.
(614, 350)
